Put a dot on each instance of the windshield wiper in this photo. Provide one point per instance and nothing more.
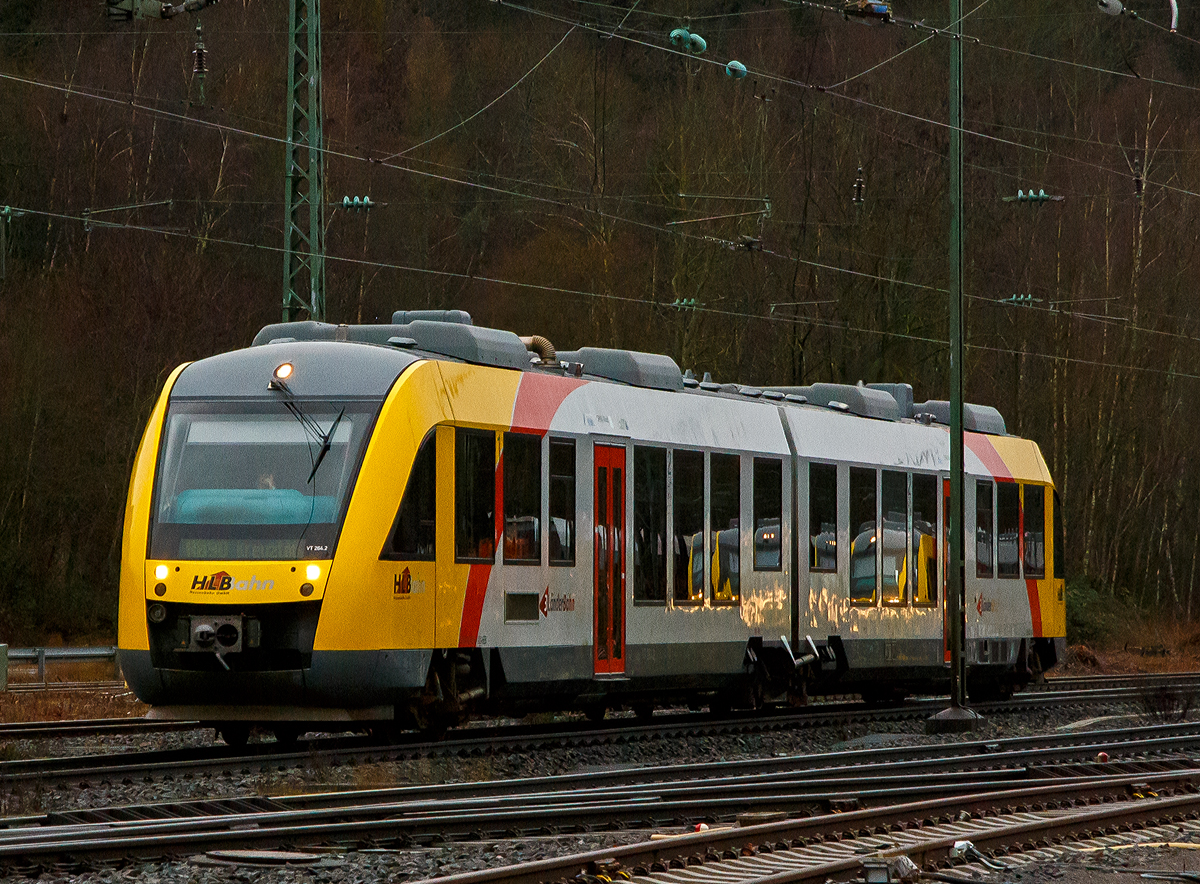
(310, 426)
(326, 442)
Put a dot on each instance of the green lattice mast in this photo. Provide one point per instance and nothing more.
(304, 181)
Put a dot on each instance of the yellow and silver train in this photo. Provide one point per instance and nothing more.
(400, 525)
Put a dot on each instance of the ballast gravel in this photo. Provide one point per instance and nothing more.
(342, 865)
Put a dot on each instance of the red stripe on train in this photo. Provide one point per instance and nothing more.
(477, 583)
(983, 449)
(538, 399)
(1035, 605)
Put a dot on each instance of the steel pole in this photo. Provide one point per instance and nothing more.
(957, 717)
(957, 576)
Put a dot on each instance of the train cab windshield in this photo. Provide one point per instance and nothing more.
(264, 480)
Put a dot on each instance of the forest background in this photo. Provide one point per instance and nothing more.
(559, 167)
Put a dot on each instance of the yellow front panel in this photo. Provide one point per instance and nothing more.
(131, 614)
(237, 582)
(365, 605)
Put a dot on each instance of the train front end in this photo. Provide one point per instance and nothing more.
(238, 499)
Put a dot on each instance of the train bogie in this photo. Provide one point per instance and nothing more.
(408, 524)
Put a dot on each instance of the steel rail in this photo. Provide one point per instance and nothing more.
(406, 823)
(718, 852)
(489, 741)
(818, 714)
(29, 730)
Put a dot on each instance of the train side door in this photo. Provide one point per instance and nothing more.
(609, 630)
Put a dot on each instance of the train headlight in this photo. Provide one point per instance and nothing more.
(160, 589)
(306, 589)
(312, 572)
(160, 573)
(284, 371)
(156, 613)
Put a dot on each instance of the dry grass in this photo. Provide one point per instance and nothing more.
(1165, 646)
(54, 705)
(65, 705)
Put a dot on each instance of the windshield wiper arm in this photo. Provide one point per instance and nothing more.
(326, 442)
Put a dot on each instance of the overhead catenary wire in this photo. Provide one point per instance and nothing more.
(827, 90)
(554, 201)
(565, 203)
(667, 49)
(464, 122)
(832, 325)
(515, 194)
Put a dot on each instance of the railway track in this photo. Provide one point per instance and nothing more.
(983, 779)
(839, 847)
(490, 740)
(1063, 691)
(843, 709)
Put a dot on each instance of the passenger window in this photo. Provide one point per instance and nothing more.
(522, 498)
(474, 495)
(894, 537)
(1059, 552)
(768, 514)
(725, 512)
(983, 529)
(822, 517)
(688, 496)
(924, 540)
(1035, 530)
(562, 501)
(863, 506)
(649, 524)
(1008, 529)
(413, 534)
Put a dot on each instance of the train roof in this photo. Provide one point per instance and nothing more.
(450, 334)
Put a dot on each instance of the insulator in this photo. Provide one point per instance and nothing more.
(200, 65)
(859, 186)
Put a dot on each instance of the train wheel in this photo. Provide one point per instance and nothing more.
(596, 712)
(643, 711)
(287, 734)
(234, 734)
(433, 720)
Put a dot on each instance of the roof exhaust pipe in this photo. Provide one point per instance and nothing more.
(541, 346)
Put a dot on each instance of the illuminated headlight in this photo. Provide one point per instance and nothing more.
(312, 572)
(160, 573)
(284, 371)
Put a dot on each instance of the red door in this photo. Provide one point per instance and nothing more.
(609, 644)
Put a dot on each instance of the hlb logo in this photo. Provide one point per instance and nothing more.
(219, 581)
(405, 586)
(223, 581)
